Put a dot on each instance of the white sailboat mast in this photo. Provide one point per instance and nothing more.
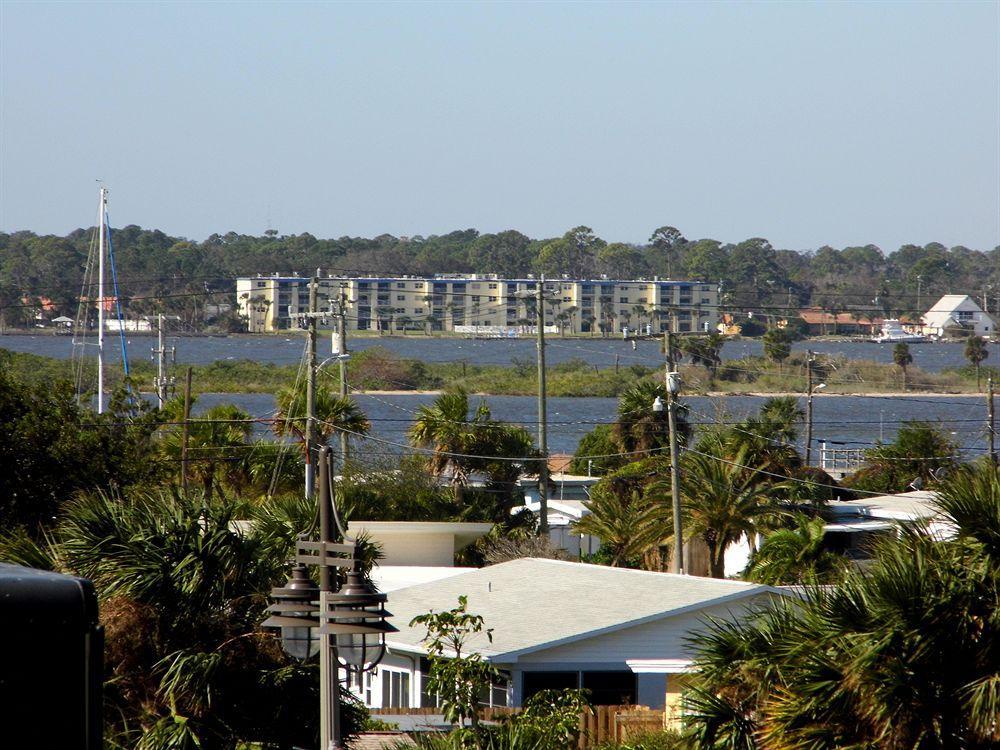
(100, 300)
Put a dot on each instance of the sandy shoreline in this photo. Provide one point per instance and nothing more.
(712, 394)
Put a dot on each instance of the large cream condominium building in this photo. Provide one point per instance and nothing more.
(481, 304)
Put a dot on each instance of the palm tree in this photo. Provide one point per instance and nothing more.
(795, 555)
(722, 502)
(640, 312)
(976, 351)
(333, 414)
(781, 414)
(638, 427)
(384, 313)
(182, 592)
(899, 655)
(217, 443)
(970, 499)
(570, 313)
(461, 444)
(443, 427)
(429, 322)
(622, 517)
(402, 323)
(903, 359)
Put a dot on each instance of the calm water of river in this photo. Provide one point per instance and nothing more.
(855, 421)
(599, 352)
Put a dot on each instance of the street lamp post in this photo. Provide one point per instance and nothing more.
(673, 383)
(351, 617)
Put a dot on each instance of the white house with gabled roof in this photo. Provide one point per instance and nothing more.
(622, 634)
(957, 315)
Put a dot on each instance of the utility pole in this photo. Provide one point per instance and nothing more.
(543, 438)
(342, 351)
(162, 383)
(809, 405)
(672, 383)
(184, 430)
(991, 425)
(311, 389)
(329, 670)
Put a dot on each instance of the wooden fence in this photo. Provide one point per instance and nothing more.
(614, 724)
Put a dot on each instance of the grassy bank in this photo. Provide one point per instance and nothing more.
(378, 369)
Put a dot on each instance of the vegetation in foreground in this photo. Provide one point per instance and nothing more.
(905, 654)
(902, 655)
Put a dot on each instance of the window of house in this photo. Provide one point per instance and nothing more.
(395, 689)
(493, 299)
(535, 682)
(418, 311)
(401, 285)
(400, 297)
(361, 683)
(475, 298)
(493, 286)
(261, 284)
(567, 299)
(400, 310)
(610, 688)
(623, 300)
(475, 286)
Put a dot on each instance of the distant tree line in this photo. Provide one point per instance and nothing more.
(158, 272)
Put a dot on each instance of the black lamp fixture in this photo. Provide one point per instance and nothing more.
(294, 613)
(344, 625)
(357, 618)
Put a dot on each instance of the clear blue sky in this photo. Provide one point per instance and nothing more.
(806, 123)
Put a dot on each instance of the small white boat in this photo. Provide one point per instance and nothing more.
(894, 333)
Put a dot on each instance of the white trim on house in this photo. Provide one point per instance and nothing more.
(660, 666)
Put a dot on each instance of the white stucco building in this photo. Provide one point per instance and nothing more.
(482, 303)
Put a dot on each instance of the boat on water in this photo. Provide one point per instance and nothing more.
(894, 333)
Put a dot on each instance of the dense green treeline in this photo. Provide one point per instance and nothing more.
(160, 273)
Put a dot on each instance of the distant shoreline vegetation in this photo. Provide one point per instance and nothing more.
(378, 369)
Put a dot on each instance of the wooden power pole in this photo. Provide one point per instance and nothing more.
(543, 439)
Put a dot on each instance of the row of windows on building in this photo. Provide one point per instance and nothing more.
(605, 687)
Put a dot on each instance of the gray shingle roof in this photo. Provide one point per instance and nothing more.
(534, 603)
